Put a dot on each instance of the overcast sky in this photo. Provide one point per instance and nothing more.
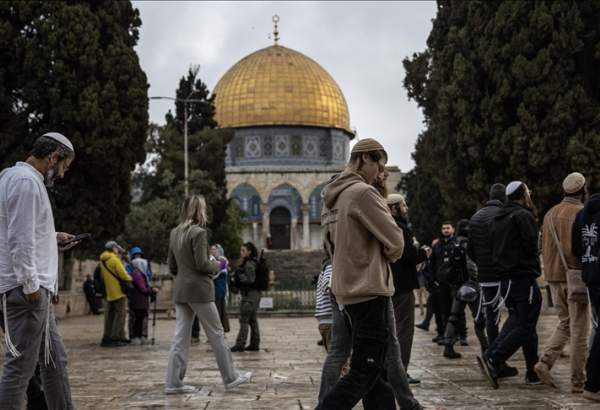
(361, 44)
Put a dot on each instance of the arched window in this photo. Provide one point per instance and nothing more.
(248, 199)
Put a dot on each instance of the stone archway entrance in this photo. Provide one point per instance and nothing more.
(281, 221)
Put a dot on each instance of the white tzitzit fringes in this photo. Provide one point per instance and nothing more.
(47, 350)
(502, 302)
(480, 304)
(530, 294)
(503, 298)
(482, 301)
(9, 344)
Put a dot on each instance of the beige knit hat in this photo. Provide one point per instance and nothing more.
(573, 183)
(368, 145)
(394, 199)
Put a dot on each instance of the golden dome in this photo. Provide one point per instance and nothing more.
(279, 86)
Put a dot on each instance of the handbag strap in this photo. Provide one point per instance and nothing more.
(557, 241)
(110, 271)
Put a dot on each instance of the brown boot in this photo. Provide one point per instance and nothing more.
(543, 372)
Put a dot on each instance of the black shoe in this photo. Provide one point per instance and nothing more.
(412, 380)
(423, 326)
(489, 371)
(237, 348)
(532, 379)
(252, 348)
(450, 353)
(463, 341)
(442, 341)
(505, 370)
(125, 341)
(319, 343)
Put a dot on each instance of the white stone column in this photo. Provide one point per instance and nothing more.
(293, 233)
(255, 233)
(306, 225)
(266, 228)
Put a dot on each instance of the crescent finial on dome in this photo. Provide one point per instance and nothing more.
(275, 30)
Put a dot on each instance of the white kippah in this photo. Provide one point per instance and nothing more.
(512, 187)
(60, 138)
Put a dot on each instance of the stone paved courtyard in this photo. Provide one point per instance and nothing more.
(286, 372)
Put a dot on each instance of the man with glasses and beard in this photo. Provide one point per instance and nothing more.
(29, 248)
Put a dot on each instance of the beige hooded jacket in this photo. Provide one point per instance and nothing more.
(362, 237)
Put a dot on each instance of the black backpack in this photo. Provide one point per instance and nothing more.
(261, 282)
(99, 283)
(453, 269)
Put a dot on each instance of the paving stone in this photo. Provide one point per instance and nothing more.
(287, 372)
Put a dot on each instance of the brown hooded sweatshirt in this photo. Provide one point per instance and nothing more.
(363, 238)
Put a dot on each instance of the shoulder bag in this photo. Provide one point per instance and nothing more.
(576, 288)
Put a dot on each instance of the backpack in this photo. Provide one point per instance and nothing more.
(454, 263)
(99, 283)
(261, 282)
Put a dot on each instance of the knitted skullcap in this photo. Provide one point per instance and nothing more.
(573, 183)
(368, 145)
(394, 199)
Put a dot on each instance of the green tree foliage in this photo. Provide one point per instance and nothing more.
(71, 67)
(509, 90)
(161, 181)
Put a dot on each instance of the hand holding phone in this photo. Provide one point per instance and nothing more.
(67, 241)
(76, 238)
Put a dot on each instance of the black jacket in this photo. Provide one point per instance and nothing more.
(515, 242)
(586, 240)
(437, 256)
(480, 241)
(405, 268)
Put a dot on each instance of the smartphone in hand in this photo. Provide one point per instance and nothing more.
(77, 238)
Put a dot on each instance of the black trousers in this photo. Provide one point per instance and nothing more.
(457, 321)
(524, 303)
(434, 309)
(366, 379)
(592, 383)
(91, 300)
(491, 326)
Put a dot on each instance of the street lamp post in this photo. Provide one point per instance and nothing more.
(185, 101)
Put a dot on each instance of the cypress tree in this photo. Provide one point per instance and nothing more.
(71, 67)
(509, 90)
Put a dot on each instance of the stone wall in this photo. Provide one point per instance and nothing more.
(288, 265)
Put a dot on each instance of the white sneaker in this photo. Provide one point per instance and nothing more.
(136, 341)
(242, 378)
(185, 389)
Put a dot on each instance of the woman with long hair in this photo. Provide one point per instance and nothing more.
(244, 279)
(194, 294)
